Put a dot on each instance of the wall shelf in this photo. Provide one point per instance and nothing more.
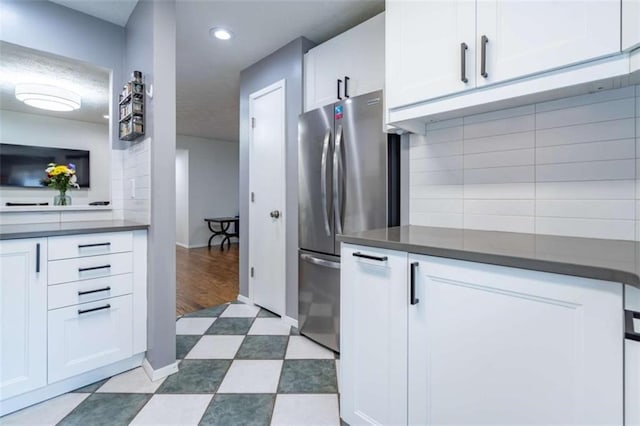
(131, 109)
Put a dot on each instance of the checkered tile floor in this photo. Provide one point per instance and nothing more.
(240, 365)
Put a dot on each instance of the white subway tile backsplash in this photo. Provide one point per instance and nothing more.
(593, 170)
(594, 209)
(566, 167)
(582, 152)
(603, 111)
(589, 132)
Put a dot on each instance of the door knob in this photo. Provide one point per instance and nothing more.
(275, 214)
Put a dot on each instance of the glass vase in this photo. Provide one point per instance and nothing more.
(62, 200)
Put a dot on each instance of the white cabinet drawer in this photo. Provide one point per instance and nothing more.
(89, 336)
(84, 268)
(69, 246)
(85, 291)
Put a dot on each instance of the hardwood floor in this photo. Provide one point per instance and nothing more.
(205, 277)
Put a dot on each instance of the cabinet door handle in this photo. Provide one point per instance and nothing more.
(81, 246)
(629, 331)
(339, 83)
(37, 258)
(483, 56)
(413, 299)
(86, 311)
(463, 62)
(346, 86)
(98, 290)
(370, 257)
(93, 268)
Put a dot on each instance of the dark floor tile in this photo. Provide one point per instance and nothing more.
(209, 312)
(266, 314)
(91, 388)
(263, 347)
(308, 376)
(294, 331)
(239, 409)
(184, 343)
(106, 409)
(230, 326)
(196, 376)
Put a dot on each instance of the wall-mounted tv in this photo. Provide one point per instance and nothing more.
(23, 166)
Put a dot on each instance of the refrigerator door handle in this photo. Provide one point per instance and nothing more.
(320, 262)
(323, 181)
(337, 165)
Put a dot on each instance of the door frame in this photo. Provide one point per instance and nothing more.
(280, 84)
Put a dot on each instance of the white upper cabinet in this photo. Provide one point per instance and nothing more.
(425, 49)
(348, 65)
(630, 24)
(23, 316)
(532, 36)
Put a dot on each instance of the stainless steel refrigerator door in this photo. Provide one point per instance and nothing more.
(359, 166)
(319, 298)
(315, 150)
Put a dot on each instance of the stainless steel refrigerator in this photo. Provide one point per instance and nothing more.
(347, 176)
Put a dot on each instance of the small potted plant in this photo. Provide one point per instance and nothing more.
(61, 177)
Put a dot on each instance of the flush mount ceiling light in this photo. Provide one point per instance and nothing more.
(48, 97)
(220, 33)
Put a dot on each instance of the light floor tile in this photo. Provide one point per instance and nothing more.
(270, 326)
(317, 410)
(249, 376)
(46, 413)
(302, 348)
(193, 325)
(173, 410)
(240, 311)
(133, 381)
(216, 347)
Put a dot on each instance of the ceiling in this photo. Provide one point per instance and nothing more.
(22, 65)
(208, 70)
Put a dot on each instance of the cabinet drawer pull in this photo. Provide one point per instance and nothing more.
(368, 256)
(339, 83)
(413, 299)
(81, 246)
(93, 268)
(100, 308)
(483, 56)
(629, 331)
(38, 258)
(463, 62)
(98, 290)
(346, 86)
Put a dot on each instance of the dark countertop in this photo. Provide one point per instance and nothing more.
(609, 260)
(34, 230)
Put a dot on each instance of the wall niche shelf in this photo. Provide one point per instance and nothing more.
(131, 109)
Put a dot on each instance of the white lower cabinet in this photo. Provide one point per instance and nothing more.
(87, 336)
(23, 316)
(432, 341)
(373, 338)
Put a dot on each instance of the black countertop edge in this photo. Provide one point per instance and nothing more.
(39, 230)
(626, 271)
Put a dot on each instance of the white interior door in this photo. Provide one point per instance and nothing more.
(267, 191)
(182, 197)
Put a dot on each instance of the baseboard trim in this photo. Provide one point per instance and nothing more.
(197, 246)
(182, 245)
(160, 373)
(290, 321)
(245, 300)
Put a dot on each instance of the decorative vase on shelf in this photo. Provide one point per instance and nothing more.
(62, 200)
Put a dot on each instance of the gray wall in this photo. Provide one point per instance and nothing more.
(52, 28)
(213, 184)
(285, 63)
(150, 48)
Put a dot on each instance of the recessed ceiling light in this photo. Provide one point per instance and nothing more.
(47, 97)
(220, 33)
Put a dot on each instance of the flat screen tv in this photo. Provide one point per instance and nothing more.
(23, 166)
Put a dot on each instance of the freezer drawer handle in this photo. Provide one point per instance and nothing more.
(93, 268)
(100, 308)
(81, 246)
(98, 290)
(629, 331)
(370, 257)
(320, 262)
